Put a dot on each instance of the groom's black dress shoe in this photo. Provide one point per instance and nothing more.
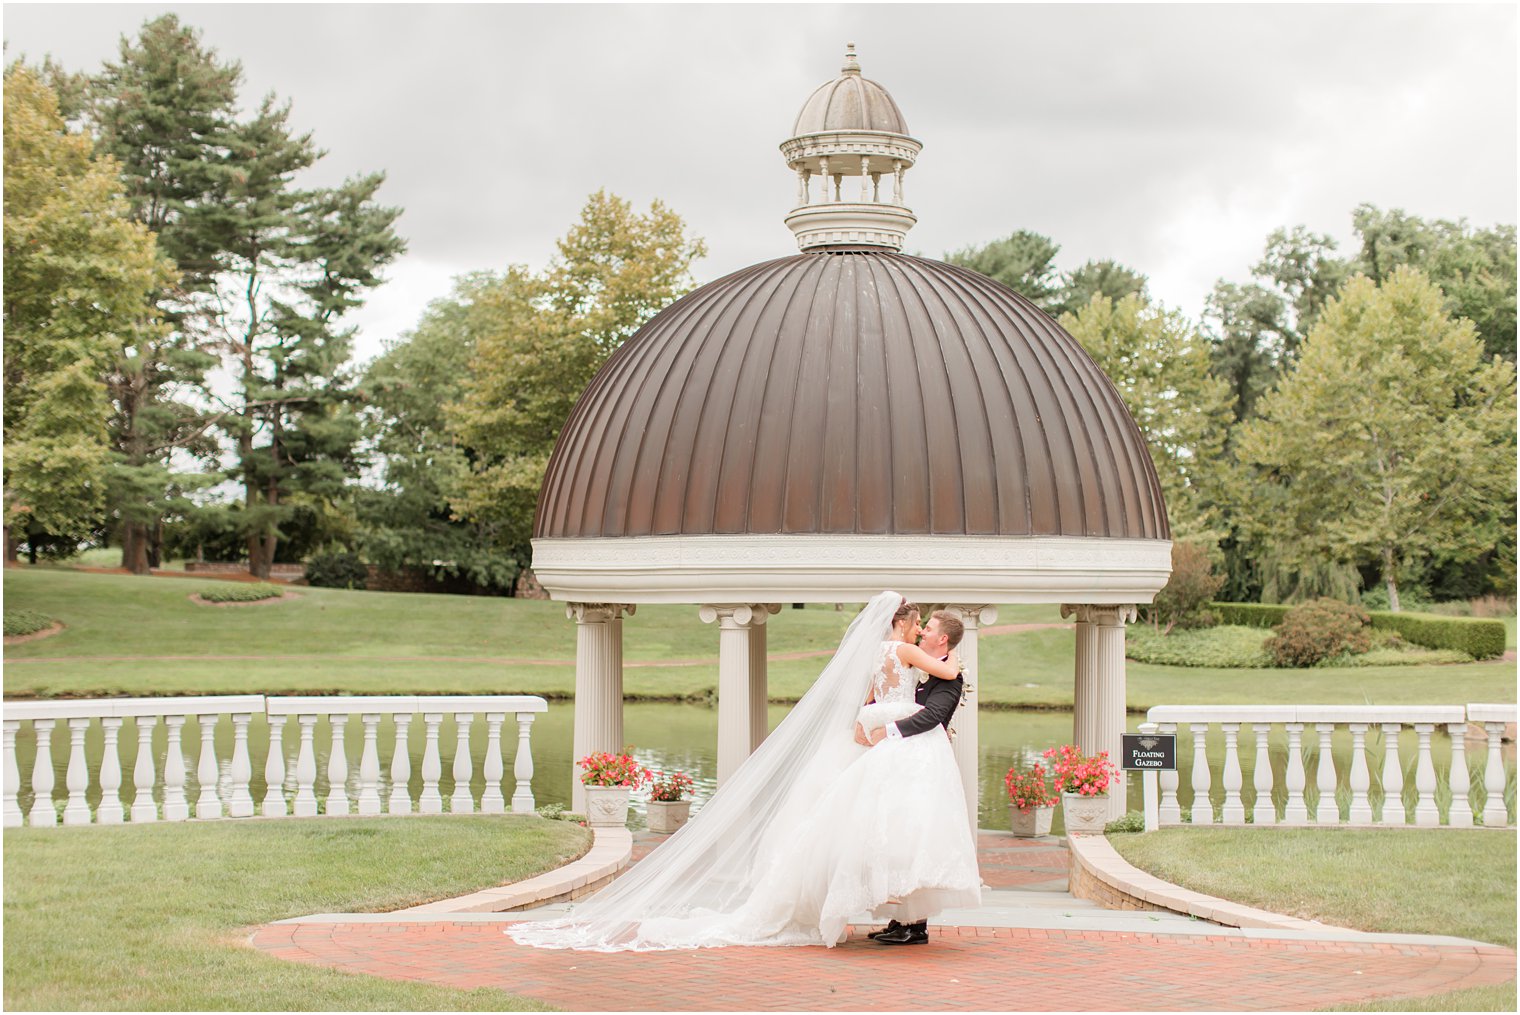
(892, 925)
(905, 934)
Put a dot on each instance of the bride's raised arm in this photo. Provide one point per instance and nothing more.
(915, 656)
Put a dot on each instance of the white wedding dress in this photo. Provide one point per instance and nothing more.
(812, 831)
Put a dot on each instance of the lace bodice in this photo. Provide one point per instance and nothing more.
(894, 682)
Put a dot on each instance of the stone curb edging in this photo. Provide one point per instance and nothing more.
(1097, 859)
(611, 851)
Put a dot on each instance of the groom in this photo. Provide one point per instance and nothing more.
(939, 699)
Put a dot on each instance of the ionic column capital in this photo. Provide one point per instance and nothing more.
(733, 615)
(973, 615)
(1105, 615)
(598, 613)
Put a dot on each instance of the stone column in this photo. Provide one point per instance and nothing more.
(1098, 696)
(1110, 705)
(967, 742)
(759, 695)
(598, 685)
(1084, 730)
(738, 626)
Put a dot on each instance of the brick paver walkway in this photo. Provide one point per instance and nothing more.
(963, 968)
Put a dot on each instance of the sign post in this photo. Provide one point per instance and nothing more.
(1148, 753)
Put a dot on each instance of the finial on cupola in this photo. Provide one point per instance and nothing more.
(850, 127)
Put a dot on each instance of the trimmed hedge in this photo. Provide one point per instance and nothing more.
(1250, 614)
(1479, 638)
(231, 593)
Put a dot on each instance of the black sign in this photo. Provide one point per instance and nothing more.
(1150, 752)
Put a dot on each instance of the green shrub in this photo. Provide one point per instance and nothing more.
(1227, 646)
(1411, 597)
(25, 622)
(1250, 614)
(232, 592)
(1182, 602)
(1134, 821)
(1409, 655)
(1317, 630)
(1479, 638)
(341, 570)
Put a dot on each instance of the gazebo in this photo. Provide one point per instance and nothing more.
(844, 420)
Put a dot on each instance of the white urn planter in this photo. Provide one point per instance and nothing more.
(1084, 815)
(1035, 821)
(665, 816)
(607, 806)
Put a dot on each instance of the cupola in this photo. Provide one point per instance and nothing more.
(850, 148)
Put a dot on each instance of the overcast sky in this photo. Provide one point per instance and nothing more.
(1172, 138)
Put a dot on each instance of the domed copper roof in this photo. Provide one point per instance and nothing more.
(849, 103)
(851, 392)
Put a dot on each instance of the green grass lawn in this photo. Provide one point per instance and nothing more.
(156, 917)
(331, 640)
(1409, 881)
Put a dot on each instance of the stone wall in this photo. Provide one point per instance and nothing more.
(1083, 884)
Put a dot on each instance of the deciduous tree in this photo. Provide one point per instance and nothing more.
(79, 276)
(616, 268)
(1160, 364)
(1389, 441)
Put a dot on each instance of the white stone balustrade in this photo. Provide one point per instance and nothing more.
(1309, 731)
(223, 787)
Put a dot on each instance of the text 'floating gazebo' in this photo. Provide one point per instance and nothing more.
(849, 419)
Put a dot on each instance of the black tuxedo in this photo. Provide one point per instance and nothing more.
(939, 699)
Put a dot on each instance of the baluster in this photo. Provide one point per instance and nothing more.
(43, 812)
(522, 767)
(1495, 814)
(274, 771)
(144, 772)
(13, 815)
(1296, 813)
(337, 767)
(401, 767)
(1425, 812)
(1169, 812)
(240, 804)
(111, 810)
(491, 800)
(1326, 811)
(306, 768)
(1234, 811)
(207, 804)
(1393, 777)
(1203, 809)
(1361, 779)
(1461, 814)
(462, 801)
(1263, 810)
(369, 765)
(77, 776)
(432, 768)
(176, 807)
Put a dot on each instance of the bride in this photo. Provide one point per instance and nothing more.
(813, 829)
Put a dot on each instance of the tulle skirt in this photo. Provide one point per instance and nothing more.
(889, 837)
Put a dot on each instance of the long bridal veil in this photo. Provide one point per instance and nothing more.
(712, 864)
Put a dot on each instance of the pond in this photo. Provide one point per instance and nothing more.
(684, 737)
